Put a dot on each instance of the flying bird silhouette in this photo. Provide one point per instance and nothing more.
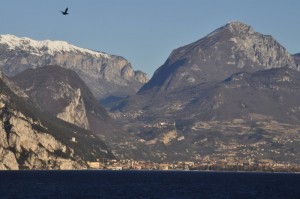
(65, 12)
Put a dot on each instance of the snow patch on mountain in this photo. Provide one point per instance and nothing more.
(45, 46)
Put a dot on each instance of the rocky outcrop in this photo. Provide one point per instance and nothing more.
(103, 73)
(62, 93)
(23, 147)
(31, 139)
(75, 112)
(53, 90)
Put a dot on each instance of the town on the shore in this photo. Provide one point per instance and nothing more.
(207, 165)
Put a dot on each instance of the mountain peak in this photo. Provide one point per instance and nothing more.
(234, 27)
(239, 28)
(230, 49)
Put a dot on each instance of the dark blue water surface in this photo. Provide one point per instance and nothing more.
(147, 184)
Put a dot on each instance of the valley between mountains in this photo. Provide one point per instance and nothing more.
(231, 96)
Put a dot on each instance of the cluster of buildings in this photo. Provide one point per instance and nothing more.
(211, 165)
(128, 115)
(139, 165)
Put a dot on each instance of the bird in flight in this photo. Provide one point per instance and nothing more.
(65, 12)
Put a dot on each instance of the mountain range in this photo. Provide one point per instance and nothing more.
(230, 96)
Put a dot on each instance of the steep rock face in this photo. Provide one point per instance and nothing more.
(26, 148)
(75, 112)
(62, 93)
(31, 139)
(52, 88)
(104, 74)
(233, 48)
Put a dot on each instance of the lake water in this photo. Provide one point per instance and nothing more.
(148, 184)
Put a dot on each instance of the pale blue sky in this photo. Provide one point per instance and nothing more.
(146, 31)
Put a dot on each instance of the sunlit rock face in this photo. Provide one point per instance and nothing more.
(25, 147)
(33, 139)
(52, 89)
(75, 112)
(62, 93)
(105, 74)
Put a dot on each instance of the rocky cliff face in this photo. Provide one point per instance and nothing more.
(31, 139)
(75, 112)
(104, 74)
(26, 148)
(62, 93)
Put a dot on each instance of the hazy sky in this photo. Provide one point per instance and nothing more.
(146, 31)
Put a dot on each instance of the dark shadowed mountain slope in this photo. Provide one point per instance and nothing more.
(37, 140)
(62, 93)
(272, 94)
(247, 114)
(105, 74)
(233, 48)
(297, 58)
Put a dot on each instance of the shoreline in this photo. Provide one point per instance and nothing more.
(150, 171)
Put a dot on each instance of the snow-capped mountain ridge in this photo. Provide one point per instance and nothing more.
(105, 74)
(45, 46)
